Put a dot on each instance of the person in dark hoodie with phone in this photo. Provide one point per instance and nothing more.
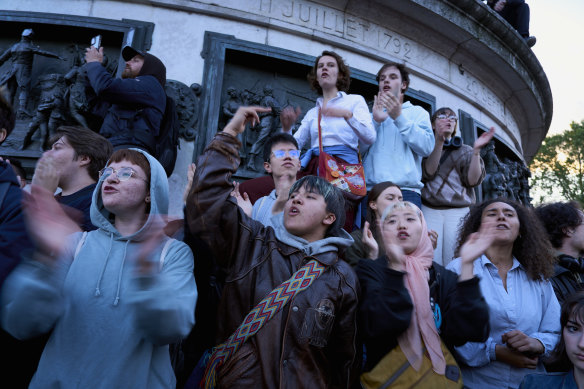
(138, 99)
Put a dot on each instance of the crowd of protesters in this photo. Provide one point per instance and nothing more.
(433, 290)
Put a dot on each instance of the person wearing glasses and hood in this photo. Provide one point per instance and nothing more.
(138, 99)
(114, 298)
(450, 174)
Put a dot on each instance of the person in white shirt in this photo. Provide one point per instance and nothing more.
(514, 262)
(344, 119)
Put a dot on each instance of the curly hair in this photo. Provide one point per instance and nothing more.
(343, 78)
(572, 309)
(531, 248)
(557, 218)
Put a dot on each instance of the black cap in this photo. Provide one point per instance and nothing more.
(128, 52)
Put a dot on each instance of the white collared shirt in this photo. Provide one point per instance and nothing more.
(338, 131)
(527, 305)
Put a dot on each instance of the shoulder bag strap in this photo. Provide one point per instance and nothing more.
(319, 132)
(261, 314)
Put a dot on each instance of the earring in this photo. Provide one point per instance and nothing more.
(147, 199)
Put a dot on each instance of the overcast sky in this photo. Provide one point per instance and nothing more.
(557, 25)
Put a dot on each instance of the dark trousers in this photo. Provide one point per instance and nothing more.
(517, 15)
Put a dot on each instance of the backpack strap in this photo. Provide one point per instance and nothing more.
(261, 314)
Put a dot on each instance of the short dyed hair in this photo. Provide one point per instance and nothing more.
(343, 78)
(405, 75)
(132, 156)
(7, 115)
(557, 218)
(333, 198)
(86, 142)
(281, 137)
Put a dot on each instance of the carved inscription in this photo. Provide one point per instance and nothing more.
(337, 23)
(483, 95)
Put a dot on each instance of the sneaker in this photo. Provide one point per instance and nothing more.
(530, 40)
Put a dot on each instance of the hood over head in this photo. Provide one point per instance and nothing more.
(152, 65)
(103, 219)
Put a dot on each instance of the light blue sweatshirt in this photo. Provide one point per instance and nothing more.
(111, 327)
(399, 148)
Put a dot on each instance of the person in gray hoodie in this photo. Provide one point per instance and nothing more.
(115, 297)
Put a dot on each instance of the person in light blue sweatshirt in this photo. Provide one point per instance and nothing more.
(114, 298)
(404, 136)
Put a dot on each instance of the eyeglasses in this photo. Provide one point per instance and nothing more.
(282, 153)
(451, 117)
(123, 174)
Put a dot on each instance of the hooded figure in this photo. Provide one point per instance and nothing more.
(138, 99)
(111, 322)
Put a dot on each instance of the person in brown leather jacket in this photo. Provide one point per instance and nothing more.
(310, 342)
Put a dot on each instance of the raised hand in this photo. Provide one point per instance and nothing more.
(243, 116)
(484, 139)
(288, 117)
(45, 174)
(391, 103)
(47, 222)
(433, 235)
(242, 201)
(379, 112)
(371, 246)
(93, 55)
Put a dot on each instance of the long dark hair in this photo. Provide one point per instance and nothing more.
(572, 308)
(531, 248)
(373, 195)
(343, 78)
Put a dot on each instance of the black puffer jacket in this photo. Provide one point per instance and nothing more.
(568, 277)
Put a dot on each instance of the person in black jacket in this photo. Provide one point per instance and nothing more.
(138, 99)
(516, 13)
(408, 299)
(564, 223)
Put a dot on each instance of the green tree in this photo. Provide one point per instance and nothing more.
(558, 165)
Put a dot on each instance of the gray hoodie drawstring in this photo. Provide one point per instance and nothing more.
(117, 299)
(97, 291)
